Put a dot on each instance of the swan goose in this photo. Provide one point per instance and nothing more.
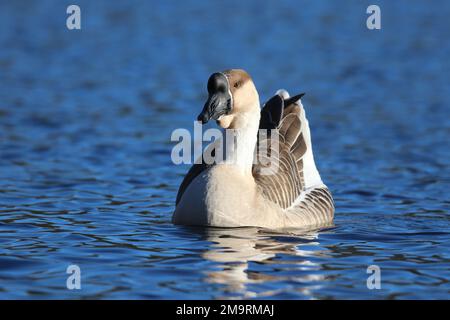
(235, 192)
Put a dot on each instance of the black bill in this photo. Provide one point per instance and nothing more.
(219, 98)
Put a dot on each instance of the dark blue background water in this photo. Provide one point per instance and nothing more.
(86, 176)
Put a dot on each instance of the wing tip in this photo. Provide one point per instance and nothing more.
(294, 99)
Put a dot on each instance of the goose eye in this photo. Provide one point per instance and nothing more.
(237, 84)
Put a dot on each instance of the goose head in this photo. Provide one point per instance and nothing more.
(232, 97)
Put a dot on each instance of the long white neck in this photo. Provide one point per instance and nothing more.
(244, 139)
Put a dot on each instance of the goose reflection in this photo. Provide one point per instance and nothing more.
(234, 249)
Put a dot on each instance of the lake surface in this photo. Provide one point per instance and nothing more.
(86, 176)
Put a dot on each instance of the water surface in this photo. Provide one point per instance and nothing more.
(85, 170)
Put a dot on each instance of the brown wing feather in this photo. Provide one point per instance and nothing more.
(284, 182)
(317, 207)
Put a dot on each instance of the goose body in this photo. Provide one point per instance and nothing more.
(284, 191)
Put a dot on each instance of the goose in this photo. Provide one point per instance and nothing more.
(238, 191)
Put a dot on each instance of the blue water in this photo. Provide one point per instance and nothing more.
(86, 176)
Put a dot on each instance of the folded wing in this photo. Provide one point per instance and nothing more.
(279, 169)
